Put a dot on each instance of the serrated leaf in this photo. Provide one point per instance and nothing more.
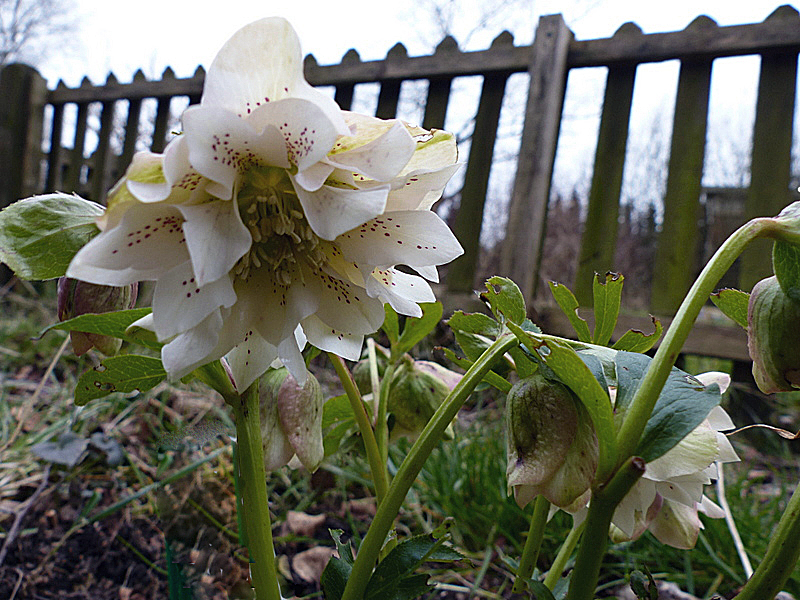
(492, 378)
(786, 264)
(733, 304)
(472, 344)
(126, 373)
(573, 372)
(634, 340)
(477, 323)
(391, 324)
(416, 329)
(569, 306)
(683, 404)
(114, 324)
(337, 571)
(607, 297)
(505, 299)
(337, 421)
(40, 235)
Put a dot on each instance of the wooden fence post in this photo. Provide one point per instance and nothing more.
(770, 166)
(600, 240)
(522, 248)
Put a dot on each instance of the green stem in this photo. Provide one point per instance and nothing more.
(255, 504)
(530, 552)
(411, 466)
(380, 476)
(595, 537)
(636, 418)
(560, 562)
(381, 423)
(782, 554)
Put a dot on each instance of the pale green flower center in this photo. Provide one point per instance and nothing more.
(282, 237)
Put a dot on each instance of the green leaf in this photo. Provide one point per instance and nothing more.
(569, 305)
(126, 373)
(505, 299)
(114, 324)
(40, 235)
(215, 376)
(391, 324)
(634, 340)
(683, 404)
(491, 377)
(575, 374)
(416, 329)
(337, 571)
(540, 590)
(337, 421)
(786, 263)
(606, 306)
(733, 303)
(394, 576)
(477, 323)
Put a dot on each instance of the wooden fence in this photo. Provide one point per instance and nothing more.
(28, 108)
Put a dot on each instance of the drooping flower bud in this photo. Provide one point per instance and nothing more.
(773, 332)
(291, 420)
(416, 390)
(551, 444)
(77, 298)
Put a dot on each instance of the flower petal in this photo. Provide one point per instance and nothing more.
(676, 525)
(180, 302)
(331, 211)
(402, 291)
(347, 307)
(250, 359)
(194, 348)
(215, 237)
(179, 182)
(412, 237)
(324, 337)
(147, 242)
(419, 190)
(381, 158)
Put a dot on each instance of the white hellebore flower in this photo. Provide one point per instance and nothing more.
(669, 495)
(275, 218)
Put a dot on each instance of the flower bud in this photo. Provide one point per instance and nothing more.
(416, 390)
(551, 444)
(77, 298)
(291, 420)
(772, 337)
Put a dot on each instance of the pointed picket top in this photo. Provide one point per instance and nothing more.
(139, 75)
(702, 23)
(351, 57)
(168, 73)
(506, 38)
(784, 12)
(111, 79)
(310, 62)
(447, 45)
(628, 29)
(61, 85)
(199, 72)
(86, 82)
(397, 52)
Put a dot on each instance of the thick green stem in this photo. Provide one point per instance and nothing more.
(595, 537)
(377, 467)
(560, 562)
(253, 478)
(643, 402)
(782, 554)
(411, 466)
(530, 552)
(381, 422)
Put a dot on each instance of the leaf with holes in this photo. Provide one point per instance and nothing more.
(569, 306)
(733, 303)
(634, 340)
(505, 299)
(126, 373)
(607, 299)
(115, 324)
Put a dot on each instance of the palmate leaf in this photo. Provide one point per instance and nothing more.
(416, 329)
(40, 235)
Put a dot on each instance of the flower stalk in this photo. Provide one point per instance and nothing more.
(533, 543)
(411, 466)
(255, 504)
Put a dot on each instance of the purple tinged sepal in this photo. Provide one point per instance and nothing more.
(76, 298)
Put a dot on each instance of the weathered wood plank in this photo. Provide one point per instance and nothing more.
(100, 158)
(73, 174)
(676, 254)
(53, 181)
(439, 88)
(522, 249)
(599, 240)
(131, 129)
(770, 165)
(469, 218)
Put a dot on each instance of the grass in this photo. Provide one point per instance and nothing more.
(135, 516)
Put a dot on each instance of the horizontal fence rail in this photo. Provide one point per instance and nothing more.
(70, 117)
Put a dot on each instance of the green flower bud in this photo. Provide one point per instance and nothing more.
(552, 447)
(773, 333)
(291, 420)
(416, 390)
(77, 298)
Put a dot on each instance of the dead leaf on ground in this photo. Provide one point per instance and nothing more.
(310, 563)
(301, 523)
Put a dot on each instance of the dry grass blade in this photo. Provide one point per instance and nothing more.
(20, 515)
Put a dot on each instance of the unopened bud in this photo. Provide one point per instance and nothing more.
(416, 390)
(291, 420)
(551, 444)
(773, 331)
(76, 298)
